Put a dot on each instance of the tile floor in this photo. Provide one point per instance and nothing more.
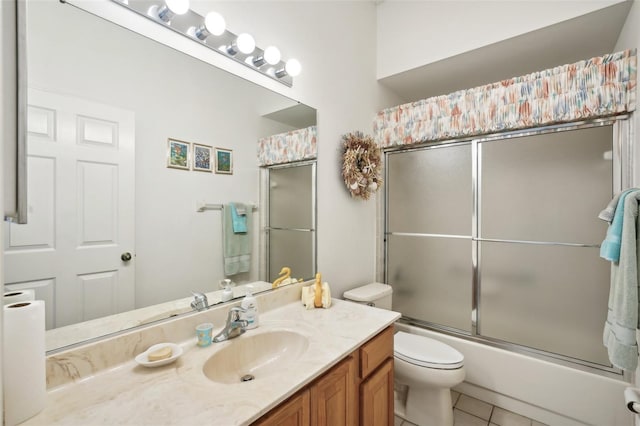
(468, 411)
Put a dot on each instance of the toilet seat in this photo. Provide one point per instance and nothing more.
(426, 352)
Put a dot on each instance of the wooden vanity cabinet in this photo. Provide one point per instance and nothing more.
(293, 412)
(375, 387)
(358, 390)
(333, 396)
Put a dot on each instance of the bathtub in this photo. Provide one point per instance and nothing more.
(538, 389)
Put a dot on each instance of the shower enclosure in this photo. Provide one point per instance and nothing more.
(497, 238)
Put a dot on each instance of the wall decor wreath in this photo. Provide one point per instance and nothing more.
(361, 165)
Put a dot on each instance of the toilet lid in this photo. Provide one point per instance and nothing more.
(426, 352)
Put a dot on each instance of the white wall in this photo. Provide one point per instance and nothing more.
(413, 34)
(630, 38)
(335, 42)
(338, 79)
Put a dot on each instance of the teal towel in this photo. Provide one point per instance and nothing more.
(239, 221)
(610, 247)
(237, 247)
(622, 317)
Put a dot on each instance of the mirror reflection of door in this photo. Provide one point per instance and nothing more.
(80, 208)
(291, 220)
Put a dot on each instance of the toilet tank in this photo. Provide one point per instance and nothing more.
(374, 294)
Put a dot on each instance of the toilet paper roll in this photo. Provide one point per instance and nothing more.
(24, 369)
(632, 399)
(18, 296)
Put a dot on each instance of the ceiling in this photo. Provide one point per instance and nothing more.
(593, 34)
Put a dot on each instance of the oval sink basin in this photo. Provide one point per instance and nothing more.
(252, 357)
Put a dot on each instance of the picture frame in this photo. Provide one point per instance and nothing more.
(178, 154)
(224, 161)
(201, 158)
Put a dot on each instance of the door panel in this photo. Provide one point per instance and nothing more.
(547, 187)
(430, 191)
(80, 207)
(431, 279)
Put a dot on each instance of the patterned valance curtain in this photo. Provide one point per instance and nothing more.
(288, 147)
(597, 87)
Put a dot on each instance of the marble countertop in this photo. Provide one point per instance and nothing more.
(180, 393)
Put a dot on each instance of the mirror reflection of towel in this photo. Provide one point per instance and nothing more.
(237, 246)
(238, 217)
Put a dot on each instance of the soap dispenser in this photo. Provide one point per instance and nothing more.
(227, 292)
(250, 306)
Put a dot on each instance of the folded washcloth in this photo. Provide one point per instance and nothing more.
(238, 220)
(622, 318)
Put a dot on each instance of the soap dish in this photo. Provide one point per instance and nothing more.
(143, 358)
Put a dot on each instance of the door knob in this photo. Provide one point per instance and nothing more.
(126, 256)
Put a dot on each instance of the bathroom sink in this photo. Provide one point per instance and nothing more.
(255, 356)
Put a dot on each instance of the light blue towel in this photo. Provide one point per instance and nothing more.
(238, 220)
(237, 246)
(610, 247)
(622, 317)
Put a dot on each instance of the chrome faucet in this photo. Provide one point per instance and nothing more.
(234, 326)
(200, 301)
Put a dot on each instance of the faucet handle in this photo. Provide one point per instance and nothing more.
(200, 301)
(234, 313)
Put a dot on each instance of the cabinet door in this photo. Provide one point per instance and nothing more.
(333, 397)
(294, 412)
(376, 397)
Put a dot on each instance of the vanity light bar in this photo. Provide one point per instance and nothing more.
(211, 32)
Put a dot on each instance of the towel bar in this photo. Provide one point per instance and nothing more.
(201, 206)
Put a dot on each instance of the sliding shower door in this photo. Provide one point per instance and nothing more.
(542, 282)
(498, 238)
(429, 234)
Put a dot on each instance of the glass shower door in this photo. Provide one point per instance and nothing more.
(291, 220)
(542, 282)
(498, 238)
(429, 234)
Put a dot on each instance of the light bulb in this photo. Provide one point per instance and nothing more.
(246, 44)
(272, 55)
(293, 67)
(215, 24)
(170, 8)
(179, 7)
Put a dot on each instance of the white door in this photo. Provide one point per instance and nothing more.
(80, 210)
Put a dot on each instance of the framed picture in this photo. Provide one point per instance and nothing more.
(202, 158)
(224, 161)
(178, 154)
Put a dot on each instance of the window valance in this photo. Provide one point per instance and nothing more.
(287, 147)
(600, 86)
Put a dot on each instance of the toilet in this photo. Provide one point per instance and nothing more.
(425, 367)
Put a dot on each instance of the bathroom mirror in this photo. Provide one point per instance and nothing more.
(117, 235)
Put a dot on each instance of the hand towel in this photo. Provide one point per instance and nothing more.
(238, 217)
(610, 247)
(622, 317)
(237, 246)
